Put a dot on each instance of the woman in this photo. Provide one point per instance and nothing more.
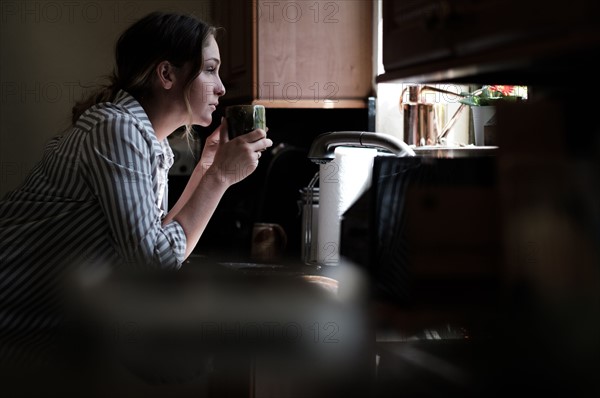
(99, 193)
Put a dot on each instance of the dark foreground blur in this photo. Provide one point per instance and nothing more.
(206, 330)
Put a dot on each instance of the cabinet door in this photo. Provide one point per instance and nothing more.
(237, 46)
(432, 36)
(296, 53)
(314, 51)
(411, 34)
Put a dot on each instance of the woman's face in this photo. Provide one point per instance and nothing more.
(207, 87)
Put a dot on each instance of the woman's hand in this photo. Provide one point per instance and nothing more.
(236, 159)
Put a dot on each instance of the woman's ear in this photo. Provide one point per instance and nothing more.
(165, 73)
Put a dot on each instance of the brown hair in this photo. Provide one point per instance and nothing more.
(157, 37)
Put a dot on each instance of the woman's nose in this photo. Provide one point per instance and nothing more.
(220, 88)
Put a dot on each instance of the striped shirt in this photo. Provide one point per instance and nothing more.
(97, 196)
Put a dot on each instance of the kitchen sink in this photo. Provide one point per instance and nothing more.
(306, 274)
(261, 268)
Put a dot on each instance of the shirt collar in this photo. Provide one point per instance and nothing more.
(169, 157)
(127, 101)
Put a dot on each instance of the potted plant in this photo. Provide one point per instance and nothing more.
(483, 105)
(489, 95)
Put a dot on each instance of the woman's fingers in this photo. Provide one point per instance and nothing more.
(262, 145)
(254, 135)
(257, 139)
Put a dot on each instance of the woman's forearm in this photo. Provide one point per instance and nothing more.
(189, 189)
(195, 213)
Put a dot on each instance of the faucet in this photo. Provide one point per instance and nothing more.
(322, 148)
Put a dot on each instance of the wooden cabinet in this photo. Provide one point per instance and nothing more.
(305, 54)
(441, 40)
(237, 39)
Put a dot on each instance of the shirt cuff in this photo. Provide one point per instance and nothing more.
(177, 240)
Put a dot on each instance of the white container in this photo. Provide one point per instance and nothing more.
(481, 116)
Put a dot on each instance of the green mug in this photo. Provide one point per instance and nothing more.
(242, 119)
